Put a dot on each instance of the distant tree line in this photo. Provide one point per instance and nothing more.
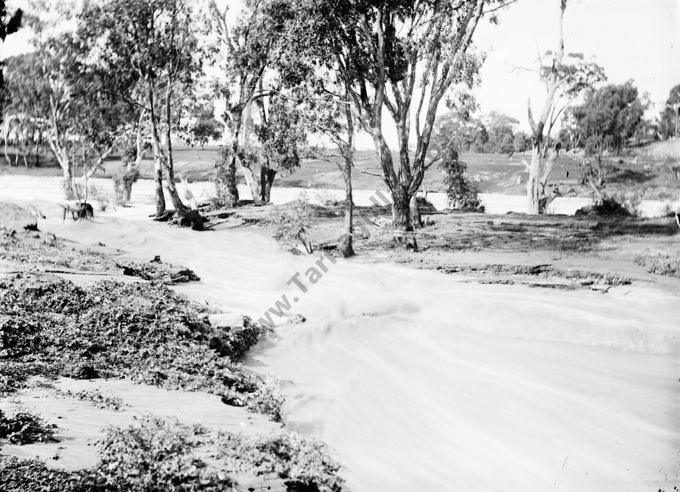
(494, 133)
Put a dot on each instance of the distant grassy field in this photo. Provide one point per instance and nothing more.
(647, 172)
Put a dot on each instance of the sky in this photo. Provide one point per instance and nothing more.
(631, 39)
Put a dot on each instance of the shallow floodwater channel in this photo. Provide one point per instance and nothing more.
(420, 381)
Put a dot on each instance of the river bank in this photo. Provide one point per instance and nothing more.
(423, 380)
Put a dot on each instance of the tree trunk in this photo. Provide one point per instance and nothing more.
(127, 191)
(267, 176)
(158, 183)
(68, 184)
(180, 208)
(253, 184)
(533, 184)
(404, 235)
(157, 155)
(415, 213)
(232, 187)
(345, 245)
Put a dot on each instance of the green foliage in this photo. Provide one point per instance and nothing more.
(25, 428)
(669, 121)
(608, 117)
(9, 24)
(17, 475)
(302, 463)
(660, 264)
(495, 133)
(460, 189)
(281, 134)
(156, 455)
(289, 223)
(141, 331)
(122, 183)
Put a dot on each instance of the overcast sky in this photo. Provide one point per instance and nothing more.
(631, 39)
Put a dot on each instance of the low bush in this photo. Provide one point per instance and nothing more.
(302, 463)
(156, 454)
(122, 184)
(142, 331)
(18, 475)
(25, 428)
(608, 207)
(289, 224)
(660, 264)
(461, 191)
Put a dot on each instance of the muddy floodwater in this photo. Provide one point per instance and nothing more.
(420, 381)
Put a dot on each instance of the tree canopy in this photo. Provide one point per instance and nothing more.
(608, 117)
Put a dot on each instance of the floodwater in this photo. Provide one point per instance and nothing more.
(422, 382)
(21, 187)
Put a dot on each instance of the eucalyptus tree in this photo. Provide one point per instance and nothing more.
(259, 84)
(398, 58)
(152, 45)
(332, 117)
(565, 76)
(54, 91)
(10, 22)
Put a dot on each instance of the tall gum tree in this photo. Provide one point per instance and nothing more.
(398, 58)
(263, 126)
(565, 76)
(10, 22)
(153, 43)
(54, 91)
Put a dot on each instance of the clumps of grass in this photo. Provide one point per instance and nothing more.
(25, 428)
(142, 331)
(48, 250)
(660, 264)
(95, 397)
(302, 464)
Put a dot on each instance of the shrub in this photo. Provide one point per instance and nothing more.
(660, 264)
(302, 463)
(594, 176)
(141, 331)
(156, 455)
(289, 224)
(462, 192)
(122, 184)
(608, 206)
(17, 475)
(25, 428)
